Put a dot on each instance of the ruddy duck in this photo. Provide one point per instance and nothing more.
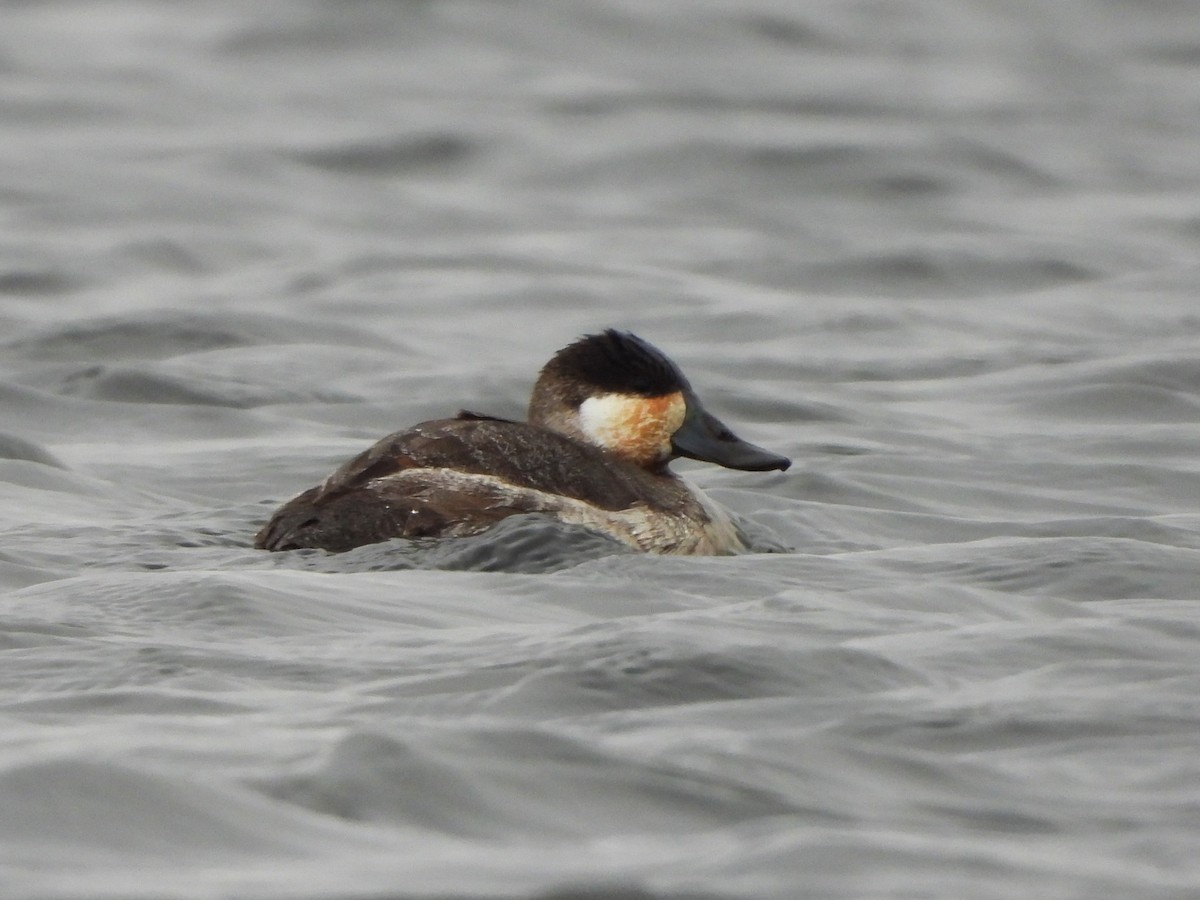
(607, 415)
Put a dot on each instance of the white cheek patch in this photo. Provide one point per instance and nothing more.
(675, 413)
(638, 428)
(603, 419)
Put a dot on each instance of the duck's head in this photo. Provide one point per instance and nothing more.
(616, 391)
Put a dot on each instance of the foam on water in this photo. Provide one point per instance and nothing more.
(940, 254)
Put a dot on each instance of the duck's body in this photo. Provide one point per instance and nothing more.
(458, 477)
(607, 415)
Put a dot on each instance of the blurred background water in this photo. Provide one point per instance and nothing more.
(941, 253)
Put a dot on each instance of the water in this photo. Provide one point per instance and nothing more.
(942, 254)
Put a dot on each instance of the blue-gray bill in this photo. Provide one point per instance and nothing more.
(704, 437)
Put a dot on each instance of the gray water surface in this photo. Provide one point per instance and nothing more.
(942, 254)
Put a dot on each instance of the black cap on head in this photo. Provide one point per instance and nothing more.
(620, 363)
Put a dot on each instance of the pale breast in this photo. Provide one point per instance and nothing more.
(468, 503)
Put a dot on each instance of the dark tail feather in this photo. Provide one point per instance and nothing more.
(334, 523)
